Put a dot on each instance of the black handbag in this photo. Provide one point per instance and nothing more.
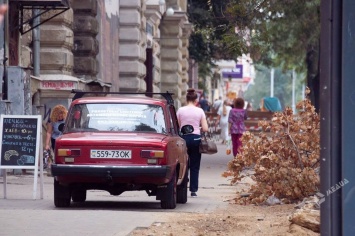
(207, 145)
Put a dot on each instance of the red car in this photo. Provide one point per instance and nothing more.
(121, 143)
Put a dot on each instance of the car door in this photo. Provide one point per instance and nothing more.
(180, 142)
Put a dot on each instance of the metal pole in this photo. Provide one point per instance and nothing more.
(2, 52)
(272, 83)
(293, 91)
(330, 115)
(5, 43)
(36, 43)
(345, 81)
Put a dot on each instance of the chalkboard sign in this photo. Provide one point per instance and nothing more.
(20, 141)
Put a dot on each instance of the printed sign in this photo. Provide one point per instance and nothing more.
(58, 85)
(236, 73)
(20, 141)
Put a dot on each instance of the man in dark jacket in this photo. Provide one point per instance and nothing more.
(204, 104)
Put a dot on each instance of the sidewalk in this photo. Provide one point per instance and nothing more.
(103, 214)
(20, 186)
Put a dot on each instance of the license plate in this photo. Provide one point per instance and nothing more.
(119, 154)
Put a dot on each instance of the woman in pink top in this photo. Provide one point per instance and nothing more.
(195, 116)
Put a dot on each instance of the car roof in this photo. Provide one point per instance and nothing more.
(121, 99)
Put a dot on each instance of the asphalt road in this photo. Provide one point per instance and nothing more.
(103, 214)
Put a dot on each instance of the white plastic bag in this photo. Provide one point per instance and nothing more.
(229, 145)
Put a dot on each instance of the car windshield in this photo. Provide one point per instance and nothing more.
(116, 118)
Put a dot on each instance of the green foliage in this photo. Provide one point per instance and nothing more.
(207, 42)
(205, 70)
(202, 85)
(276, 33)
(282, 32)
(199, 51)
(282, 87)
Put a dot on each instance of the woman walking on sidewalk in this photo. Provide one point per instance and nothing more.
(195, 116)
(223, 114)
(236, 124)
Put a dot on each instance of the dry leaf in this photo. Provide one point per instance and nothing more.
(285, 156)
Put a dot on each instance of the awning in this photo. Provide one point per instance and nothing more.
(45, 3)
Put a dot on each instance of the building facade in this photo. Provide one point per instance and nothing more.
(55, 47)
(154, 40)
(92, 45)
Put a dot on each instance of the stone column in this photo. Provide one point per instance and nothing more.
(187, 28)
(153, 16)
(56, 60)
(57, 45)
(85, 43)
(132, 46)
(172, 54)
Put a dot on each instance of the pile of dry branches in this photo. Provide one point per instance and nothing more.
(285, 156)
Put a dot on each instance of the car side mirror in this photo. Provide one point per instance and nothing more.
(187, 129)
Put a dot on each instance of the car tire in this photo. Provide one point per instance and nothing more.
(182, 190)
(78, 195)
(169, 200)
(62, 195)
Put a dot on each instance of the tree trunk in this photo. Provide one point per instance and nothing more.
(312, 59)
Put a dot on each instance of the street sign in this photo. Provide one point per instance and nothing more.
(235, 73)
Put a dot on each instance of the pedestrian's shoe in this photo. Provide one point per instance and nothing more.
(193, 194)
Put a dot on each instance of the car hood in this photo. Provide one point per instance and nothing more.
(110, 138)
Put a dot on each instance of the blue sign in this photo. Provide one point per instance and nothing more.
(236, 73)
